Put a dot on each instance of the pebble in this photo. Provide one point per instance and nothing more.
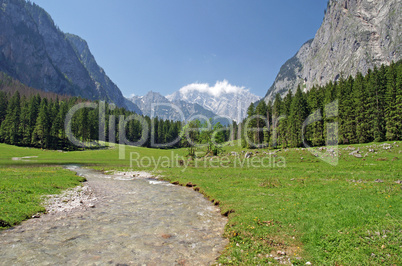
(79, 197)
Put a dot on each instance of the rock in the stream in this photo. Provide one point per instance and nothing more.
(248, 155)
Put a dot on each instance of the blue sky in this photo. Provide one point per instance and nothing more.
(164, 45)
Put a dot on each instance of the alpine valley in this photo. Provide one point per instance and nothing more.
(211, 174)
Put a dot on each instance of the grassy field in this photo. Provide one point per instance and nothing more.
(348, 214)
(21, 189)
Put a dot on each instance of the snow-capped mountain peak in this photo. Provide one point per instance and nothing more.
(223, 98)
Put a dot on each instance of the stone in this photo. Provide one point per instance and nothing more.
(166, 236)
(248, 155)
(353, 153)
(189, 184)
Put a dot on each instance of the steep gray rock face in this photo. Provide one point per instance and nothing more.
(61, 54)
(23, 53)
(34, 51)
(355, 36)
(104, 86)
(154, 104)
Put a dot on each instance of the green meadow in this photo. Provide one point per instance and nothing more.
(278, 202)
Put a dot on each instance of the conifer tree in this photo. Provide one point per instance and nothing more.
(3, 106)
(34, 104)
(9, 130)
(391, 114)
(361, 109)
(376, 89)
(347, 127)
(24, 129)
(398, 101)
(330, 95)
(297, 115)
(250, 129)
(40, 135)
(314, 131)
(261, 111)
(276, 113)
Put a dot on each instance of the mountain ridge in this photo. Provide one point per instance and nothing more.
(355, 36)
(223, 99)
(153, 104)
(36, 52)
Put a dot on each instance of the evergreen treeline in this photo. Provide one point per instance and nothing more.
(365, 108)
(39, 122)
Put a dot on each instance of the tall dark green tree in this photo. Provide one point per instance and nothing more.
(3, 106)
(314, 131)
(391, 113)
(41, 133)
(250, 126)
(362, 115)
(297, 115)
(347, 126)
(261, 122)
(276, 115)
(34, 104)
(376, 89)
(24, 129)
(398, 101)
(9, 130)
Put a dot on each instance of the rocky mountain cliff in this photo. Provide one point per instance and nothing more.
(223, 102)
(154, 104)
(103, 83)
(355, 36)
(37, 53)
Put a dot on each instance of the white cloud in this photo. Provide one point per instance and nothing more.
(220, 87)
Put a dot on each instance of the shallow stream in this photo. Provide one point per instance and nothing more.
(136, 221)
